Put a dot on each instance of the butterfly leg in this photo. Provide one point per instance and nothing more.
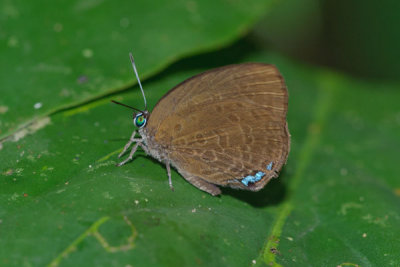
(131, 140)
(138, 142)
(134, 148)
(169, 175)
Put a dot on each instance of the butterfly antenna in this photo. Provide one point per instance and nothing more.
(137, 77)
(119, 103)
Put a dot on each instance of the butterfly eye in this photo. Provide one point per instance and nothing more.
(140, 120)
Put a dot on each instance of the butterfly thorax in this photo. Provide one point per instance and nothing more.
(151, 147)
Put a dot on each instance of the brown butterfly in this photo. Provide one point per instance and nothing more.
(223, 127)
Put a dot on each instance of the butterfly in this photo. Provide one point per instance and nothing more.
(223, 127)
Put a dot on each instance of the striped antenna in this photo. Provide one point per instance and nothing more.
(137, 77)
(122, 104)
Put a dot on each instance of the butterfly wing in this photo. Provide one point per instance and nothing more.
(225, 124)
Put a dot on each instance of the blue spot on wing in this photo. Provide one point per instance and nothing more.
(269, 166)
(252, 179)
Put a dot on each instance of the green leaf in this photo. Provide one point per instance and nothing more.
(60, 54)
(64, 203)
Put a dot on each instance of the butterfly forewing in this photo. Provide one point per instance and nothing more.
(225, 124)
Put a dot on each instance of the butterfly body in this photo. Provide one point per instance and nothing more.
(224, 127)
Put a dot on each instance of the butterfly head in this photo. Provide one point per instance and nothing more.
(140, 119)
